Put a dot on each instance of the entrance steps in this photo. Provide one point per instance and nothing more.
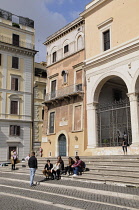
(116, 170)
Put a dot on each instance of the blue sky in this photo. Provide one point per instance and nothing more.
(48, 15)
(70, 9)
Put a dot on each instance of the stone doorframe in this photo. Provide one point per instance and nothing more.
(56, 146)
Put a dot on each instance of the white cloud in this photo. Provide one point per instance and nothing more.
(75, 14)
(46, 22)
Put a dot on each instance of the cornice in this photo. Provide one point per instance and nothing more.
(65, 30)
(16, 29)
(93, 6)
(112, 54)
(20, 50)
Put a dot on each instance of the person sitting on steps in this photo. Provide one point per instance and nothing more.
(47, 169)
(56, 171)
(69, 169)
(77, 166)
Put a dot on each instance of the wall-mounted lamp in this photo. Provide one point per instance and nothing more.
(49, 141)
(76, 138)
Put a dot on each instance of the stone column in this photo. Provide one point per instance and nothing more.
(133, 98)
(92, 125)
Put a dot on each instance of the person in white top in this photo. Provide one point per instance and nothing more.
(56, 171)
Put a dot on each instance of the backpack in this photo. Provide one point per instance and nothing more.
(83, 165)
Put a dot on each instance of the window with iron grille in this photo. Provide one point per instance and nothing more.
(14, 130)
(54, 57)
(106, 40)
(51, 122)
(14, 107)
(16, 40)
(14, 84)
(15, 62)
(66, 48)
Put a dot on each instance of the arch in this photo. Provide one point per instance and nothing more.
(80, 36)
(56, 145)
(102, 80)
(135, 82)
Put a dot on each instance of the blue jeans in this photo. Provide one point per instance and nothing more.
(76, 170)
(32, 174)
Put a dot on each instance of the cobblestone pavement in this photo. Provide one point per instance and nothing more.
(15, 193)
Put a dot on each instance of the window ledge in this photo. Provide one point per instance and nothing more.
(77, 131)
(49, 134)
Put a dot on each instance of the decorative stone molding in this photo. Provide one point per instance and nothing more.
(105, 23)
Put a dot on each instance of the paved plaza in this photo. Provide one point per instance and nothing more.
(16, 193)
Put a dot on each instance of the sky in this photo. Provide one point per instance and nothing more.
(48, 15)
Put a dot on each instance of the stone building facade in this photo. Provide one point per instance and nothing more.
(16, 84)
(40, 83)
(64, 126)
(112, 69)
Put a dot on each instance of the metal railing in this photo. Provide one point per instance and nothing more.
(22, 20)
(21, 43)
(65, 91)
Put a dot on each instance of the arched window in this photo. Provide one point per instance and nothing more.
(79, 43)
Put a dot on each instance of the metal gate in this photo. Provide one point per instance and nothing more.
(114, 122)
(62, 145)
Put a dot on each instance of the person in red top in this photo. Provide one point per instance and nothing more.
(77, 166)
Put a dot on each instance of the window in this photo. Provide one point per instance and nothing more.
(15, 62)
(14, 130)
(51, 122)
(0, 59)
(64, 74)
(79, 43)
(77, 117)
(79, 80)
(54, 57)
(14, 83)
(42, 114)
(106, 40)
(53, 89)
(14, 107)
(66, 48)
(44, 93)
(16, 40)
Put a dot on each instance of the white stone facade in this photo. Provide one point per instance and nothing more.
(122, 62)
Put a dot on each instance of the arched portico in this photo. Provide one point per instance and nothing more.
(100, 90)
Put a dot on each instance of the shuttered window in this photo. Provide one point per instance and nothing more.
(51, 122)
(16, 40)
(14, 107)
(14, 83)
(77, 117)
(53, 89)
(54, 57)
(106, 39)
(15, 62)
(14, 130)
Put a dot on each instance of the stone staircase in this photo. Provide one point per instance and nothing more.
(116, 170)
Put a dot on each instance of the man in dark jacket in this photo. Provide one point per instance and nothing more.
(32, 163)
(47, 169)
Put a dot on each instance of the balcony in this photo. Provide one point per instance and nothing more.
(66, 92)
(21, 43)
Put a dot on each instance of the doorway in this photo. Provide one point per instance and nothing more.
(62, 145)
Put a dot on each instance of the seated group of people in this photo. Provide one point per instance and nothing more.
(54, 171)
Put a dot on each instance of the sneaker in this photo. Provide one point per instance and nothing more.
(75, 175)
